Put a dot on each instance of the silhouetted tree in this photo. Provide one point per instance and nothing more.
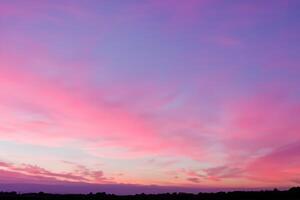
(291, 194)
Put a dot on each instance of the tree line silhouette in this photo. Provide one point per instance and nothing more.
(291, 194)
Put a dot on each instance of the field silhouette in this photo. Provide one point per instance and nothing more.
(291, 194)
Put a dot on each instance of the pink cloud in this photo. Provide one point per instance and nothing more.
(32, 172)
(162, 163)
(16, 177)
(36, 11)
(280, 165)
(222, 172)
(66, 112)
(264, 120)
(194, 180)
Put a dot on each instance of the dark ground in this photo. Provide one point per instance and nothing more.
(291, 194)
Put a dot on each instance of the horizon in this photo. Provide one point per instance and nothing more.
(149, 95)
(121, 189)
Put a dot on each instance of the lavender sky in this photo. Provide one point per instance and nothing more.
(192, 94)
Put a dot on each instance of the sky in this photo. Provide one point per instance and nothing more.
(149, 93)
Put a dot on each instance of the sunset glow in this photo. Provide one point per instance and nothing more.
(192, 94)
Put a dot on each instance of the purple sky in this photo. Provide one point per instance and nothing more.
(172, 93)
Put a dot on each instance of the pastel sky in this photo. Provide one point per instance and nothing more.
(192, 94)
